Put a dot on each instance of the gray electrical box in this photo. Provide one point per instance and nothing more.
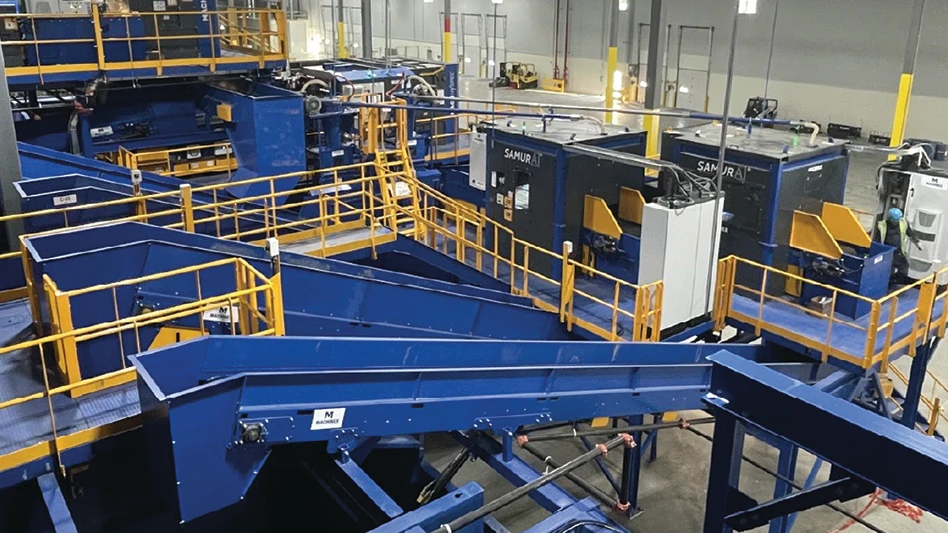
(680, 247)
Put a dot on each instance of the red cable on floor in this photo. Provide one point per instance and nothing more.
(899, 506)
(904, 508)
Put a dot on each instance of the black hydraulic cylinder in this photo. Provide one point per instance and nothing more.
(519, 492)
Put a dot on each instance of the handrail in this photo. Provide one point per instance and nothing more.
(339, 209)
(65, 338)
(160, 160)
(936, 412)
(875, 329)
(230, 29)
(645, 318)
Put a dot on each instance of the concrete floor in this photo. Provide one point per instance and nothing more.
(673, 489)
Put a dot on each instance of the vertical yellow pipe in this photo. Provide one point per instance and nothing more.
(612, 63)
(908, 75)
(342, 52)
(902, 109)
(650, 123)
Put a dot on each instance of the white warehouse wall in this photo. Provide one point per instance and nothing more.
(836, 61)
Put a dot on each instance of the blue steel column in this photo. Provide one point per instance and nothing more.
(725, 471)
(786, 467)
(631, 467)
(916, 379)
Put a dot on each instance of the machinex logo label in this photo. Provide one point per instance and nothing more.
(328, 418)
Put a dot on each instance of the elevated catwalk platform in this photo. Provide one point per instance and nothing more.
(26, 447)
(599, 306)
(794, 326)
(78, 48)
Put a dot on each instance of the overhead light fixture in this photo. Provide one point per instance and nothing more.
(747, 7)
(428, 1)
(684, 90)
(623, 5)
(497, 1)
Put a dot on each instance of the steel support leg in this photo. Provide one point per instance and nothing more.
(631, 467)
(603, 467)
(725, 472)
(916, 379)
(786, 467)
(56, 504)
(810, 480)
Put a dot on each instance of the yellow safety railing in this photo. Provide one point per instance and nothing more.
(181, 162)
(383, 197)
(241, 309)
(939, 394)
(883, 316)
(445, 222)
(254, 292)
(222, 37)
(447, 146)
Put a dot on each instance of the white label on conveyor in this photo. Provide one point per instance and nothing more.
(817, 168)
(222, 314)
(100, 132)
(337, 153)
(937, 182)
(64, 200)
(328, 418)
(413, 142)
(159, 5)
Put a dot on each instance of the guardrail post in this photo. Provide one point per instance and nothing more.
(97, 31)
(872, 335)
(67, 355)
(567, 275)
(187, 208)
(276, 287)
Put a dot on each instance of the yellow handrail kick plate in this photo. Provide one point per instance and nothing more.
(811, 235)
(844, 226)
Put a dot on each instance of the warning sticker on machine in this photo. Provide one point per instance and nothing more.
(222, 314)
(936, 182)
(64, 200)
(328, 418)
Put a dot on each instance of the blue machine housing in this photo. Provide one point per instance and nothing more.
(768, 175)
(331, 135)
(267, 133)
(556, 180)
(865, 272)
(164, 117)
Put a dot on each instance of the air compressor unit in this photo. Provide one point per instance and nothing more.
(768, 174)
